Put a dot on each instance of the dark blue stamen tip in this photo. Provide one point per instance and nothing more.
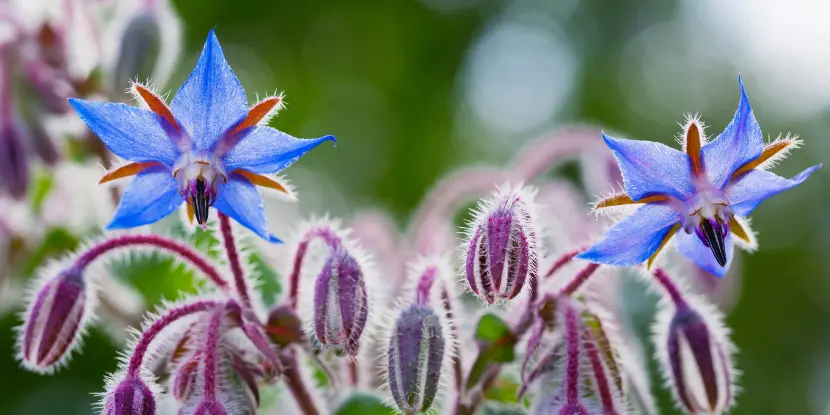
(713, 237)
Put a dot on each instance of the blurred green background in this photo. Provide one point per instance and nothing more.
(413, 89)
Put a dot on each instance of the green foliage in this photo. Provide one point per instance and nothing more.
(496, 344)
(362, 403)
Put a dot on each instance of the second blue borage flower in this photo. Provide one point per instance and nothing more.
(207, 149)
(706, 191)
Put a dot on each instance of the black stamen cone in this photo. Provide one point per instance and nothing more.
(714, 235)
(200, 202)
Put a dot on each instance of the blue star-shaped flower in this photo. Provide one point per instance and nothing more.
(706, 192)
(207, 149)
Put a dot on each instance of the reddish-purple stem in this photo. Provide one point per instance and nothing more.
(148, 335)
(425, 285)
(456, 355)
(572, 366)
(562, 261)
(671, 288)
(603, 387)
(294, 381)
(182, 250)
(331, 239)
(234, 260)
(211, 350)
(580, 279)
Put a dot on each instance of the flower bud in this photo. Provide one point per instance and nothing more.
(139, 49)
(130, 397)
(14, 161)
(502, 252)
(696, 360)
(340, 303)
(54, 321)
(184, 377)
(416, 357)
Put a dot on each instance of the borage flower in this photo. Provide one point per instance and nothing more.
(706, 192)
(207, 149)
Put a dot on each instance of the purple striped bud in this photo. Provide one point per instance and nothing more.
(698, 364)
(14, 160)
(340, 303)
(130, 397)
(416, 357)
(695, 352)
(54, 321)
(139, 50)
(183, 380)
(502, 247)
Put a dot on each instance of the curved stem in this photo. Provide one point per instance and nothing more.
(331, 239)
(602, 383)
(234, 261)
(563, 260)
(581, 277)
(673, 292)
(294, 381)
(211, 350)
(151, 332)
(175, 247)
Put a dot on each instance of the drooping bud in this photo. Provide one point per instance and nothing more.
(139, 50)
(183, 379)
(502, 247)
(14, 161)
(340, 302)
(416, 356)
(695, 352)
(130, 397)
(284, 326)
(54, 320)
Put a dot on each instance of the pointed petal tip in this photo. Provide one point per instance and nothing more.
(329, 138)
(274, 240)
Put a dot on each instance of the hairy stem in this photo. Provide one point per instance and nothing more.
(562, 261)
(602, 384)
(181, 250)
(211, 351)
(151, 332)
(296, 384)
(673, 292)
(581, 277)
(331, 239)
(456, 356)
(234, 260)
(572, 365)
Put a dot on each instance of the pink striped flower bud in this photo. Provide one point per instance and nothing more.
(54, 321)
(695, 352)
(130, 397)
(340, 303)
(502, 246)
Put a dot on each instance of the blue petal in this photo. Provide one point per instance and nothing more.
(650, 168)
(753, 187)
(690, 246)
(132, 133)
(634, 239)
(738, 144)
(212, 99)
(152, 195)
(240, 200)
(266, 150)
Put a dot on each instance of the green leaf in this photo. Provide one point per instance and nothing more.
(360, 403)
(268, 280)
(40, 188)
(491, 328)
(56, 242)
(496, 344)
(496, 408)
(155, 275)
